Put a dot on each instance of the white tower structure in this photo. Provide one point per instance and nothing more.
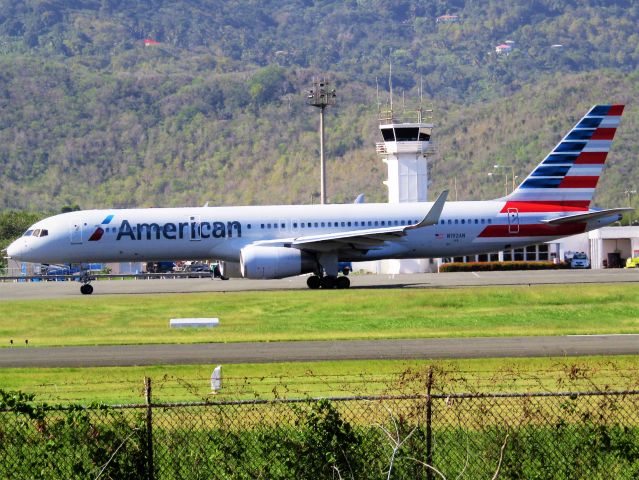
(406, 149)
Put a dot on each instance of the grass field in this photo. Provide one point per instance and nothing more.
(320, 315)
(298, 380)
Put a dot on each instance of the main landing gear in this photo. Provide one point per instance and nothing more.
(86, 279)
(327, 282)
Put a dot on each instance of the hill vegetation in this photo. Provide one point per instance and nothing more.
(215, 111)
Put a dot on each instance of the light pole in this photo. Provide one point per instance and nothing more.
(320, 96)
(512, 172)
(630, 193)
(492, 174)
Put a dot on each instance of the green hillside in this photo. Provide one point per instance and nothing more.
(215, 112)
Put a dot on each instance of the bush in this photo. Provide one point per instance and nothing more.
(497, 266)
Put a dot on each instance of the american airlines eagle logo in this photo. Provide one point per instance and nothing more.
(97, 235)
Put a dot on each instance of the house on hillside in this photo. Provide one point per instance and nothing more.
(448, 19)
(504, 48)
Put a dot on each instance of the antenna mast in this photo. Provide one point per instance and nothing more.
(320, 96)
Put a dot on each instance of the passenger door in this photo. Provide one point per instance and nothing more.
(513, 221)
(75, 231)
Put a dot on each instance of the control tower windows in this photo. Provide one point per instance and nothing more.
(424, 135)
(388, 134)
(406, 134)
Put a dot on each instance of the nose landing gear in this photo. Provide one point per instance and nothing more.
(86, 279)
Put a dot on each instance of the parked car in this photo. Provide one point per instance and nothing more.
(159, 267)
(580, 260)
(632, 262)
(52, 271)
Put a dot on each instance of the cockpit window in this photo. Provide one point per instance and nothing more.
(36, 233)
(27, 233)
(44, 232)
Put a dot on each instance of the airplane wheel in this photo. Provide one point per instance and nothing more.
(86, 289)
(313, 282)
(328, 282)
(343, 282)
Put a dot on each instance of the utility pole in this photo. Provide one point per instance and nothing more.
(320, 96)
(629, 194)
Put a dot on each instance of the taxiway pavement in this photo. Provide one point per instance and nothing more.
(40, 290)
(225, 353)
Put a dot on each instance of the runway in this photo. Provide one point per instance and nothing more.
(46, 290)
(225, 353)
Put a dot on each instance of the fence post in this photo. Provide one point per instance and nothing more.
(149, 428)
(429, 430)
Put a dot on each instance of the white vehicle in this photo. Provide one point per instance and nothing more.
(580, 260)
(285, 240)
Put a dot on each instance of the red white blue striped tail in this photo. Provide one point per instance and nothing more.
(566, 179)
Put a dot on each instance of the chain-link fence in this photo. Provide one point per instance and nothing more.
(467, 436)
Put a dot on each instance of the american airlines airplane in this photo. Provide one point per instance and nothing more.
(286, 240)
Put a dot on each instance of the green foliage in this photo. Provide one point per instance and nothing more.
(93, 117)
(576, 437)
(492, 266)
(91, 440)
(326, 444)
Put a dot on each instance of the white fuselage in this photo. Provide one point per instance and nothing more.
(154, 234)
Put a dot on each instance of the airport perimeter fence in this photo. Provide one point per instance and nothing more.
(432, 436)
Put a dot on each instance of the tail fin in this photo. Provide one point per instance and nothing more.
(566, 179)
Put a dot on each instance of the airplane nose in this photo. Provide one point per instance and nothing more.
(15, 249)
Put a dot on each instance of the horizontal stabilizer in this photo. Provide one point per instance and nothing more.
(586, 217)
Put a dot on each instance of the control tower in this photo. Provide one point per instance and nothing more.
(406, 149)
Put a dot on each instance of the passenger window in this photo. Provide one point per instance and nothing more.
(482, 221)
(248, 225)
(294, 225)
(376, 223)
(383, 223)
(449, 221)
(268, 225)
(343, 224)
(463, 221)
(490, 221)
(476, 221)
(456, 221)
(262, 225)
(348, 224)
(283, 225)
(356, 224)
(403, 222)
(370, 223)
(317, 224)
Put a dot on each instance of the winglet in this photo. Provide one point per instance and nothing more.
(432, 217)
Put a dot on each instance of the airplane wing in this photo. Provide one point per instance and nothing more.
(585, 217)
(364, 239)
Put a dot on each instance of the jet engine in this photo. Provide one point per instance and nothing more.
(260, 262)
